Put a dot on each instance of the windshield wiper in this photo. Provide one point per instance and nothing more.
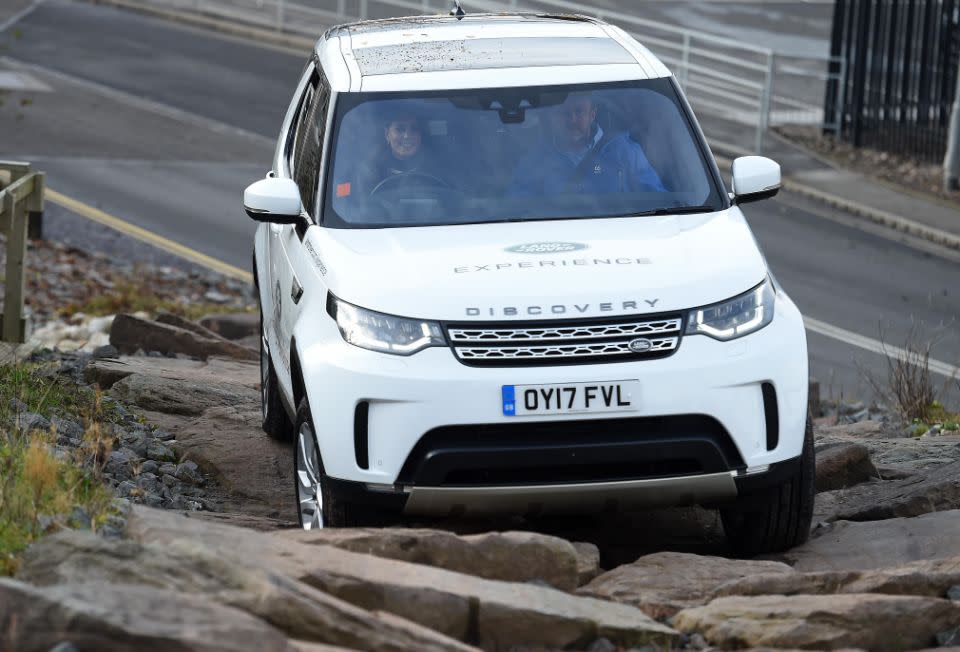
(679, 210)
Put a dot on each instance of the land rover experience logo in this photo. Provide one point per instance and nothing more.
(545, 248)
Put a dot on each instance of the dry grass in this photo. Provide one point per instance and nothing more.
(39, 488)
(133, 297)
(38, 492)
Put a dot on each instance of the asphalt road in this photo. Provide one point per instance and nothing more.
(164, 126)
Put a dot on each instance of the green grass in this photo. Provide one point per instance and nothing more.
(45, 393)
(937, 415)
(947, 419)
(39, 490)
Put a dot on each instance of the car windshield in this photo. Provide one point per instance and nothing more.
(511, 154)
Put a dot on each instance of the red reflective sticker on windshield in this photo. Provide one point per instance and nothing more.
(343, 189)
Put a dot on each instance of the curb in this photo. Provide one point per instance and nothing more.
(869, 213)
(875, 215)
(232, 28)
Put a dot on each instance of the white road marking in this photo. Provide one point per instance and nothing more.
(21, 82)
(872, 345)
(20, 15)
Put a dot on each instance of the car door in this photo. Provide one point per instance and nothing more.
(272, 271)
(308, 150)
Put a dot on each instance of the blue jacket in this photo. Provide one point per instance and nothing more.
(617, 164)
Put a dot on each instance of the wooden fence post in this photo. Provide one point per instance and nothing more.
(35, 207)
(14, 325)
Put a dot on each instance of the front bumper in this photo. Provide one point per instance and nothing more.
(575, 498)
(371, 410)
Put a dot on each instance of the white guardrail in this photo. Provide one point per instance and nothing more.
(723, 78)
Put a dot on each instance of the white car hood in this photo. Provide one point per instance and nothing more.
(610, 267)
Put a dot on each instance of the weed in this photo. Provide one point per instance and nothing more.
(908, 384)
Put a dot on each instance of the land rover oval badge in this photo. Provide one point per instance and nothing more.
(545, 248)
(641, 345)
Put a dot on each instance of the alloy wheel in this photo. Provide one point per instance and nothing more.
(264, 378)
(309, 496)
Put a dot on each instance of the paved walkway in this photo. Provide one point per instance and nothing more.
(807, 174)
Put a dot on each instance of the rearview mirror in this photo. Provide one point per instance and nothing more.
(273, 200)
(755, 178)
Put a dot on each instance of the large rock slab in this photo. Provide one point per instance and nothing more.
(890, 448)
(181, 396)
(508, 556)
(846, 545)
(938, 489)
(213, 370)
(191, 567)
(254, 471)
(928, 577)
(664, 583)
(130, 334)
(115, 617)
(844, 465)
(822, 622)
(493, 614)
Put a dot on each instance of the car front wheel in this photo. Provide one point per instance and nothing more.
(319, 504)
(777, 518)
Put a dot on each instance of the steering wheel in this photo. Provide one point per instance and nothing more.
(391, 182)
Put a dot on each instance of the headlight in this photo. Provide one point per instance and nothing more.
(735, 317)
(385, 333)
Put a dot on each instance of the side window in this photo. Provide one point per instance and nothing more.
(308, 139)
(294, 139)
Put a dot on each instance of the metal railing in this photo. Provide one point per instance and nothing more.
(903, 74)
(21, 195)
(722, 77)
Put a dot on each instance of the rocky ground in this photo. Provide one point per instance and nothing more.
(222, 568)
(203, 555)
(913, 175)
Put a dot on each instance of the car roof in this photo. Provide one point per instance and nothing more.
(484, 42)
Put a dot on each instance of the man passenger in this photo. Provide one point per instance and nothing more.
(580, 157)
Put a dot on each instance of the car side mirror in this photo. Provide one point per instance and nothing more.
(755, 178)
(276, 201)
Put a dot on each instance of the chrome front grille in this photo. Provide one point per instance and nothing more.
(565, 342)
(584, 332)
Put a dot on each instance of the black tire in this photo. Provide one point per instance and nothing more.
(275, 421)
(778, 518)
(336, 511)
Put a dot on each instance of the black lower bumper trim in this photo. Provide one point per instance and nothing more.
(561, 452)
(778, 473)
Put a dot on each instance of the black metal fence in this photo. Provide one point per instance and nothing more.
(897, 87)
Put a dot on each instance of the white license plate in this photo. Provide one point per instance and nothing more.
(569, 398)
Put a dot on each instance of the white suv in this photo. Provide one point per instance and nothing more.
(499, 272)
